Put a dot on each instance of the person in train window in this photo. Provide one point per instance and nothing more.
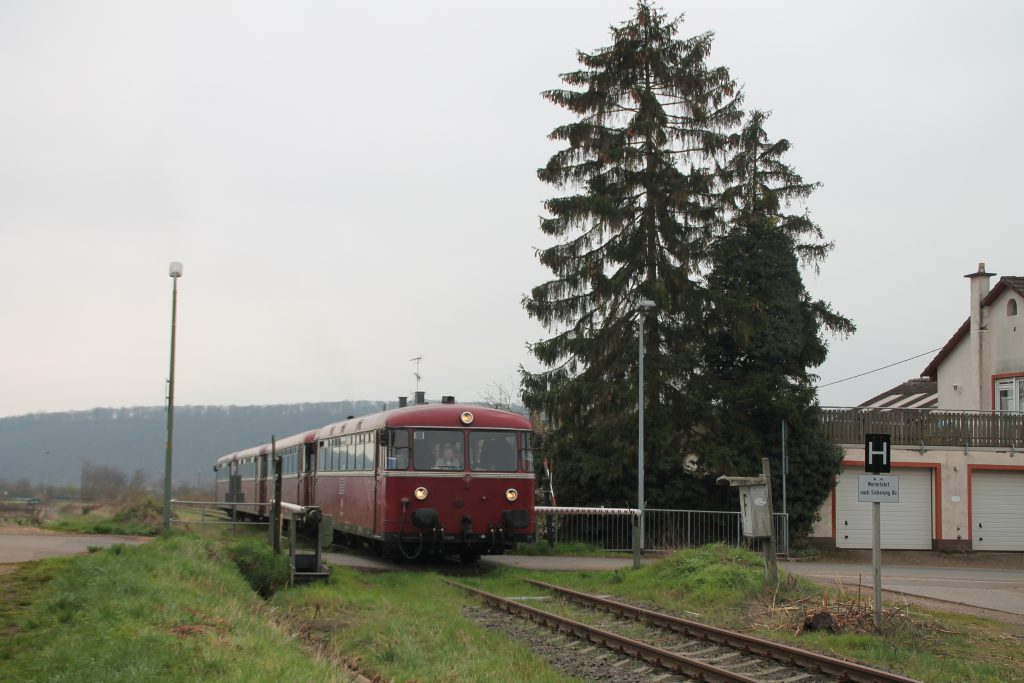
(448, 460)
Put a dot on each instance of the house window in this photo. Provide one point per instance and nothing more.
(1010, 395)
(1011, 307)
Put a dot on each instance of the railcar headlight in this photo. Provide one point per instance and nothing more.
(511, 495)
(467, 418)
(420, 493)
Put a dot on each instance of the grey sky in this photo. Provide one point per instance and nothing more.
(351, 185)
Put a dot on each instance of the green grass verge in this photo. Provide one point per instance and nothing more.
(141, 518)
(542, 548)
(406, 626)
(171, 610)
(179, 610)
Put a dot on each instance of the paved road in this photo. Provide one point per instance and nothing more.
(996, 589)
(21, 547)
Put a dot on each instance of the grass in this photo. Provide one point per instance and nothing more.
(408, 626)
(139, 518)
(178, 609)
(542, 548)
(723, 586)
(172, 610)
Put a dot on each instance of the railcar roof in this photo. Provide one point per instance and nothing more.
(438, 415)
(430, 415)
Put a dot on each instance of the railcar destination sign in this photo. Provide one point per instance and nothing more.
(877, 488)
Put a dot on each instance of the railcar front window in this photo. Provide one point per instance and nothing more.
(492, 451)
(438, 449)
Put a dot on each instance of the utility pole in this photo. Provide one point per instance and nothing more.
(175, 273)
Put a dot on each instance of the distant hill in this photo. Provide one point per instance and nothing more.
(49, 447)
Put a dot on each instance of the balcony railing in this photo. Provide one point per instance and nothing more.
(915, 427)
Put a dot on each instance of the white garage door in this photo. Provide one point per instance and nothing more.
(906, 525)
(998, 500)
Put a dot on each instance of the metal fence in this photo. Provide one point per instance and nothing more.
(612, 528)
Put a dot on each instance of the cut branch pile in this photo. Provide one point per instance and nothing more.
(837, 611)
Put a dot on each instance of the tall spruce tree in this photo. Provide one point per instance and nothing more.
(765, 331)
(637, 221)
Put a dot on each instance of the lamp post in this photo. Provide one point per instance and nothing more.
(175, 273)
(643, 306)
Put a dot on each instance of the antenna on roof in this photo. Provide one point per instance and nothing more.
(417, 373)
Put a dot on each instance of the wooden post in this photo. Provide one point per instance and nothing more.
(275, 522)
(770, 562)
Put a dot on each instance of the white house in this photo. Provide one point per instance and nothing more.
(982, 366)
(957, 435)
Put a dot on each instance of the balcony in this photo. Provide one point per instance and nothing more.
(926, 428)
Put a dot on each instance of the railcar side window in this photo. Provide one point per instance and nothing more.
(371, 450)
(360, 453)
(398, 454)
(492, 451)
(526, 455)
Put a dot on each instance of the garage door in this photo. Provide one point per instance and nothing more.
(998, 502)
(905, 525)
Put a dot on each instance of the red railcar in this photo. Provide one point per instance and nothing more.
(425, 479)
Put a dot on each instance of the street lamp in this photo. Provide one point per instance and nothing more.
(175, 273)
(642, 307)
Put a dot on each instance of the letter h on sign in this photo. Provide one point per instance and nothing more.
(876, 453)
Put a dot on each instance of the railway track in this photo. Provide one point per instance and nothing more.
(694, 651)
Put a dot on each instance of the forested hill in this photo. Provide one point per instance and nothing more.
(50, 447)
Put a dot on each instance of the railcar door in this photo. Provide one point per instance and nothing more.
(261, 484)
(393, 457)
(376, 491)
(306, 492)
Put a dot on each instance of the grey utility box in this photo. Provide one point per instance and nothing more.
(755, 511)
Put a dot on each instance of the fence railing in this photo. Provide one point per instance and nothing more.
(612, 528)
(915, 427)
(210, 513)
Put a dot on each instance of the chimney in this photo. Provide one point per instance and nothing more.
(403, 401)
(976, 395)
(420, 397)
(979, 290)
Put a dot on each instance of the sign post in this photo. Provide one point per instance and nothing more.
(877, 459)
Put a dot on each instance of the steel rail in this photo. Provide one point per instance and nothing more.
(676, 663)
(785, 654)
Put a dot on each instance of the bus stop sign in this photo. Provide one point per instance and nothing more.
(877, 453)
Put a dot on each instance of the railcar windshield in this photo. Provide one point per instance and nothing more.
(493, 451)
(438, 449)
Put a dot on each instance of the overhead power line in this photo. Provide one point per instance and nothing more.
(820, 386)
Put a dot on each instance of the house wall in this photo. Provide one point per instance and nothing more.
(951, 487)
(955, 380)
(1006, 335)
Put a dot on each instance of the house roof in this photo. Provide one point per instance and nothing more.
(1011, 282)
(932, 371)
(914, 393)
(1014, 283)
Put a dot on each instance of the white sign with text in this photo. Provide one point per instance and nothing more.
(878, 488)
